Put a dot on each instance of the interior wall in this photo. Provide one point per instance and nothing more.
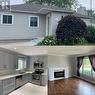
(61, 62)
(32, 59)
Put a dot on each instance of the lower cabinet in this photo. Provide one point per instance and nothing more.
(8, 85)
(29, 77)
(25, 78)
(1, 88)
(44, 80)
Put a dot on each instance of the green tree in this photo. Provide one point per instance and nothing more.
(90, 36)
(90, 13)
(71, 30)
(59, 3)
(35, 1)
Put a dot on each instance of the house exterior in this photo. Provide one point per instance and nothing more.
(32, 21)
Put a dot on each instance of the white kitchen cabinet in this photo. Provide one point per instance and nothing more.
(10, 61)
(25, 78)
(8, 85)
(44, 80)
(1, 60)
(7, 61)
(29, 77)
(1, 88)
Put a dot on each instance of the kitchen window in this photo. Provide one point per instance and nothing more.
(34, 21)
(7, 19)
(21, 64)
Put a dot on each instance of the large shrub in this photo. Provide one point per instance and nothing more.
(70, 30)
(90, 36)
(48, 40)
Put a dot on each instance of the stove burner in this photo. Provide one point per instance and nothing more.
(39, 71)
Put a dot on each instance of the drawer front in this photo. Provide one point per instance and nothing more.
(25, 78)
(8, 85)
(30, 78)
(8, 81)
(8, 89)
(1, 88)
(44, 80)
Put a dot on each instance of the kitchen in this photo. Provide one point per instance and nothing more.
(18, 70)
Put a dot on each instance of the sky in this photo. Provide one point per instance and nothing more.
(85, 3)
(16, 1)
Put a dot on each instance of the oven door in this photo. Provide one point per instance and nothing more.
(36, 79)
(36, 76)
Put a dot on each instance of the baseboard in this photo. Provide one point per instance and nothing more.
(84, 79)
(74, 76)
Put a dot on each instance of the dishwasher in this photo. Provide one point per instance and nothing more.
(19, 81)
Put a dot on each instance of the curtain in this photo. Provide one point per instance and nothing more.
(92, 61)
(79, 64)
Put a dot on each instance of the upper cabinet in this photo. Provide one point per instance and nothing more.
(7, 60)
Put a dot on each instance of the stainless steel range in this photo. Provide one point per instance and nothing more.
(37, 76)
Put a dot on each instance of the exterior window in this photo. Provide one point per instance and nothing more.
(86, 67)
(21, 64)
(34, 21)
(6, 19)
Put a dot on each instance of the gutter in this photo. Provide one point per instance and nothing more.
(56, 10)
(19, 11)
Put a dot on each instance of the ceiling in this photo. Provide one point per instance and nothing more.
(27, 50)
(72, 50)
(56, 50)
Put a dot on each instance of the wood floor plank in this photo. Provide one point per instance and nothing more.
(71, 86)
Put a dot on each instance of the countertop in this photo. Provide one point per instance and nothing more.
(3, 77)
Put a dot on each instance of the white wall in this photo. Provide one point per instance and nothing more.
(32, 59)
(60, 62)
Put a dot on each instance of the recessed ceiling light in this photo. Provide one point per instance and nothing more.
(15, 48)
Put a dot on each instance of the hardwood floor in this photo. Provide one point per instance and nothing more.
(71, 86)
